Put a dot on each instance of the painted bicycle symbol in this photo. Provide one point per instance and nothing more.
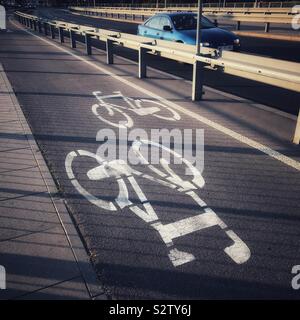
(164, 175)
(117, 116)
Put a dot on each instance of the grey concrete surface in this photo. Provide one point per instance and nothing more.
(256, 195)
(40, 249)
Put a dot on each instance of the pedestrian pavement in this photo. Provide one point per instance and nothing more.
(40, 248)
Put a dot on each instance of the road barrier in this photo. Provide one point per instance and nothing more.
(2, 18)
(266, 16)
(283, 74)
(220, 4)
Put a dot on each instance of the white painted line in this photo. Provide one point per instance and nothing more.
(239, 137)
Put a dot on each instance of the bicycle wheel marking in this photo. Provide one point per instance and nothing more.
(134, 105)
(125, 175)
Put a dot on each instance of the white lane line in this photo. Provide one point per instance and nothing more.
(239, 137)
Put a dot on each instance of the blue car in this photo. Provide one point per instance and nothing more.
(182, 27)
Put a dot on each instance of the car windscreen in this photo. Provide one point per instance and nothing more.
(189, 22)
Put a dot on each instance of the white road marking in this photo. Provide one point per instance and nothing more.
(243, 139)
(120, 170)
(134, 105)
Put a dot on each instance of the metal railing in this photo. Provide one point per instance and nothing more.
(217, 4)
(274, 72)
(266, 16)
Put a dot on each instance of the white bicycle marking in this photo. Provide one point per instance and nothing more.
(134, 105)
(123, 173)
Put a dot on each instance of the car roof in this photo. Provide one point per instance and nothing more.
(173, 14)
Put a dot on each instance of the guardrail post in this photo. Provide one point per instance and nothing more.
(34, 25)
(72, 39)
(61, 34)
(30, 24)
(296, 139)
(238, 25)
(88, 44)
(267, 26)
(109, 52)
(197, 81)
(142, 62)
(45, 28)
(52, 31)
(39, 26)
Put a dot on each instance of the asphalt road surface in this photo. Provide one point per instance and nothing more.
(278, 98)
(232, 232)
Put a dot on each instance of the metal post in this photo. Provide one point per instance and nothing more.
(238, 25)
(61, 34)
(142, 63)
(34, 25)
(72, 39)
(39, 26)
(197, 89)
(199, 26)
(45, 29)
(198, 67)
(88, 44)
(52, 31)
(109, 52)
(267, 26)
(297, 130)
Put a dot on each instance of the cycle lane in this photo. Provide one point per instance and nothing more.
(244, 187)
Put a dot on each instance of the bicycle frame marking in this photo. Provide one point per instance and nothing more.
(123, 173)
(134, 105)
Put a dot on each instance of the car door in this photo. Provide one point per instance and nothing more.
(166, 35)
(152, 28)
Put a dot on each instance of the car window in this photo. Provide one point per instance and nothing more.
(189, 22)
(153, 23)
(164, 21)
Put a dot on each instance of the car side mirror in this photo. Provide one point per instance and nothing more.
(167, 28)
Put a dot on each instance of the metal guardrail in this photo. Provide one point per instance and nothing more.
(283, 74)
(220, 4)
(265, 16)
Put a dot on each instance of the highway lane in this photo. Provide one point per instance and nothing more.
(275, 97)
(246, 188)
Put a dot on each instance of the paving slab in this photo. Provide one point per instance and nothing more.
(40, 248)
